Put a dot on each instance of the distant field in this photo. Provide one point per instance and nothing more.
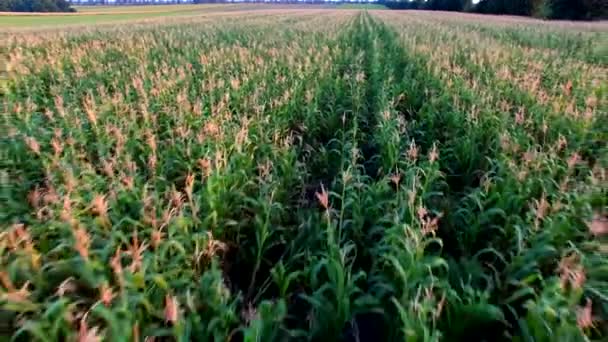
(149, 9)
(107, 14)
(59, 20)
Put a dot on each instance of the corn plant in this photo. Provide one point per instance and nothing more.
(305, 174)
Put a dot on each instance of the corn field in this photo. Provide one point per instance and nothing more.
(306, 175)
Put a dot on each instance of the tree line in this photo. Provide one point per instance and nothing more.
(547, 9)
(35, 6)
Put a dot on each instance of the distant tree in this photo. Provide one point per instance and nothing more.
(403, 4)
(514, 7)
(549, 9)
(570, 9)
(567, 9)
(579, 9)
(416, 4)
(468, 5)
(433, 5)
(35, 6)
(454, 5)
(597, 8)
(518, 7)
(541, 9)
